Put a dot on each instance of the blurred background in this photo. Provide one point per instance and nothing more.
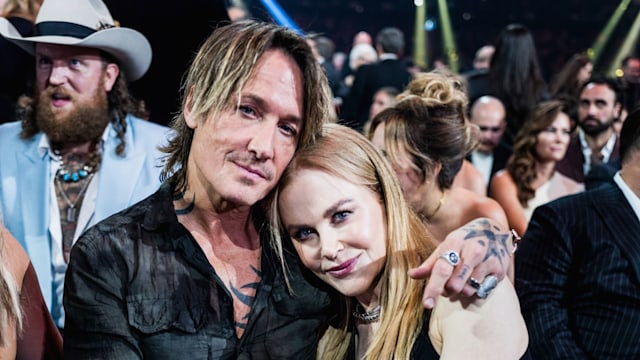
(560, 27)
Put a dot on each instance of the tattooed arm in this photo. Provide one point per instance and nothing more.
(484, 249)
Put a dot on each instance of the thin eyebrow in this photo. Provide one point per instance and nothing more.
(332, 209)
(327, 214)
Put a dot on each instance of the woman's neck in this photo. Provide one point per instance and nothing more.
(544, 171)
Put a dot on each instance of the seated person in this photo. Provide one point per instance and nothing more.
(426, 136)
(326, 199)
(530, 178)
(26, 327)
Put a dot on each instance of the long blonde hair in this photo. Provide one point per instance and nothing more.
(346, 154)
(9, 296)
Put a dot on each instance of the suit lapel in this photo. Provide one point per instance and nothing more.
(34, 192)
(34, 195)
(118, 175)
(620, 220)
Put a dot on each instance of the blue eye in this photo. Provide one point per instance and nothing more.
(290, 130)
(341, 216)
(247, 110)
(302, 234)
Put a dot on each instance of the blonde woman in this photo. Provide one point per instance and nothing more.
(343, 210)
(26, 328)
(426, 136)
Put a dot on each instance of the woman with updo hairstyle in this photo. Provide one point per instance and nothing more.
(426, 136)
(530, 179)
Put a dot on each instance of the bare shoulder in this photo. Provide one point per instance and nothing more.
(480, 207)
(13, 255)
(470, 178)
(502, 177)
(502, 182)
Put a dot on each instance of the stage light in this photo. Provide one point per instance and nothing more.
(448, 40)
(605, 34)
(430, 25)
(280, 16)
(626, 48)
(419, 35)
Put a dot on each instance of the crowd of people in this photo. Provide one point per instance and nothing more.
(298, 207)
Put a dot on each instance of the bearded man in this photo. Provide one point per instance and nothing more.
(596, 143)
(80, 151)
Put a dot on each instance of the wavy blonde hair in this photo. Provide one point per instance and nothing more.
(10, 311)
(429, 123)
(346, 154)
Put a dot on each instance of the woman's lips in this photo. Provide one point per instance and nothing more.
(344, 269)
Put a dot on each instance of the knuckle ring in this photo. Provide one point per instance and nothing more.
(474, 283)
(488, 284)
(451, 257)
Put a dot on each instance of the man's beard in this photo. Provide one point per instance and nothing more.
(85, 122)
(593, 130)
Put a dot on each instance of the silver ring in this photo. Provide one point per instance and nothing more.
(488, 284)
(451, 257)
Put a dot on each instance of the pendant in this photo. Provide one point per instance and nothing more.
(71, 214)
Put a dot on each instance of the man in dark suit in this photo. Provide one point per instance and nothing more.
(492, 153)
(578, 267)
(596, 142)
(390, 70)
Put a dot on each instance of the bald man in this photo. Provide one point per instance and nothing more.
(492, 154)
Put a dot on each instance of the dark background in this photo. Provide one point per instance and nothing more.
(560, 29)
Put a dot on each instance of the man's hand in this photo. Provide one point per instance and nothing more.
(485, 249)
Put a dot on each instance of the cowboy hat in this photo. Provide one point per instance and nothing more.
(85, 23)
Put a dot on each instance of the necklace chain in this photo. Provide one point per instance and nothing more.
(91, 166)
(372, 315)
(71, 211)
(435, 211)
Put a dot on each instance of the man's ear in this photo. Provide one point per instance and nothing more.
(617, 108)
(110, 75)
(189, 116)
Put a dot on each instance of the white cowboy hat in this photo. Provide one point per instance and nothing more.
(85, 23)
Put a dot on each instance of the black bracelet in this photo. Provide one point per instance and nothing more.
(516, 239)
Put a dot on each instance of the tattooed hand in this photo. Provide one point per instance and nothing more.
(484, 249)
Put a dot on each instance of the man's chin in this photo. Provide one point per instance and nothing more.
(594, 130)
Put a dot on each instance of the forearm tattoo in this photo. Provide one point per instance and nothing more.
(486, 234)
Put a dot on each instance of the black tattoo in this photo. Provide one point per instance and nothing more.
(246, 299)
(497, 240)
(463, 273)
(189, 207)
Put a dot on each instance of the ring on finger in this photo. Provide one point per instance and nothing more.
(474, 283)
(452, 257)
(488, 284)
